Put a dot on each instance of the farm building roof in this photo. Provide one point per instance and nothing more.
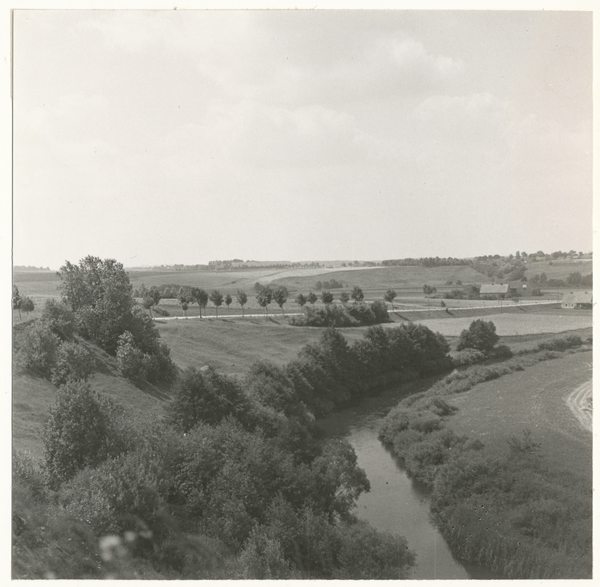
(493, 288)
(577, 297)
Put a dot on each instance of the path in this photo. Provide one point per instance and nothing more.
(397, 311)
(579, 402)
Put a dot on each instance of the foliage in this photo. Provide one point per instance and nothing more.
(134, 363)
(73, 362)
(203, 396)
(467, 357)
(312, 298)
(228, 300)
(357, 294)
(200, 297)
(280, 295)
(17, 300)
(389, 296)
(216, 297)
(301, 300)
(242, 298)
(59, 319)
(429, 290)
(264, 297)
(80, 432)
(27, 305)
(326, 297)
(99, 293)
(37, 349)
(481, 336)
(344, 297)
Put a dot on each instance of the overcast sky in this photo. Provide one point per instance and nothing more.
(158, 137)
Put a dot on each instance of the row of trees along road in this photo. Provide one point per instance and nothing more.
(265, 295)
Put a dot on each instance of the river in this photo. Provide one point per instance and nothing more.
(395, 503)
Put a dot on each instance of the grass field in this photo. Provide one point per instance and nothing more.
(560, 269)
(510, 324)
(232, 346)
(534, 399)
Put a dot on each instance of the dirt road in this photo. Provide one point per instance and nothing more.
(580, 403)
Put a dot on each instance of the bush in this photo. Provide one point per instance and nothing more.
(79, 432)
(204, 396)
(480, 336)
(59, 319)
(73, 362)
(467, 357)
(130, 359)
(37, 349)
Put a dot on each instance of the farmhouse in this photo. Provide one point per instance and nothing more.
(579, 300)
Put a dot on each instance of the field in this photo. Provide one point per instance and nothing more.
(559, 269)
(511, 324)
(232, 346)
(534, 399)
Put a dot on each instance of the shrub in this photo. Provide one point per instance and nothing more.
(502, 351)
(130, 359)
(59, 319)
(204, 396)
(467, 357)
(37, 350)
(73, 362)
(481, 336)
(80, 432)
(380, 311)
(122, 494)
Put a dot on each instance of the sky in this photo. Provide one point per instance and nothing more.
(184, 136)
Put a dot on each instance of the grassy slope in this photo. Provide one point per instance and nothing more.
(383, 278)
(534, 399)
(559, 269)
(33, 396)
(232, 346)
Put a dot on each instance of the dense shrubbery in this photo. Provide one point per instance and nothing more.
(80, 432)
(234, 483)
(341, 316)
(542, 521)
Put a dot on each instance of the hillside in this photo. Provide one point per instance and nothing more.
(33, 396)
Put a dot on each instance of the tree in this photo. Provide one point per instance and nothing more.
(389, 296)
(573, 278)
(344, 297)
(480, 336)
(264, 298)
(184, 300)
(216, 297)
(319, 285)
(17, 300)
(200, 297)
(301, 300)
(280, 295)
(27, 305)
(357, 294)
(228, 300)
(326, 297)
(99, 292)
(428, 290)
(242, 298)
(312, 298)
(204, 396)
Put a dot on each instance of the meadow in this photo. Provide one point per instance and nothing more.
(534, 399)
